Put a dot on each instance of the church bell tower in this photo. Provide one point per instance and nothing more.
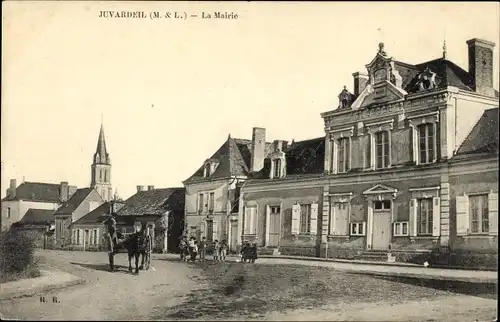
(101, 169)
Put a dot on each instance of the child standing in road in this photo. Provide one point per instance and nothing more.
(216, 250)
(201, 249)
(223, 250)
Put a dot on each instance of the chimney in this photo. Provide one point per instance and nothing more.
(258, 149)
(360, 82)
(481, 66)
(150, 187)
(11, 192)
(140, 188)
(63, 191)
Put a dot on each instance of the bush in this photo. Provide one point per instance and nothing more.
(17, 258)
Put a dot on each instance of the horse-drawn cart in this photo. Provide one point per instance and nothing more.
(135, 244)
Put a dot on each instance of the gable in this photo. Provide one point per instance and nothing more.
(380, 188)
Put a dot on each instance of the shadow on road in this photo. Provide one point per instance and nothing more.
(103, 267)
(483, 290)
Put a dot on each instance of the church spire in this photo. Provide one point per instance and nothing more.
(101, 154)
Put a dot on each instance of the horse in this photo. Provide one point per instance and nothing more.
(136, 244)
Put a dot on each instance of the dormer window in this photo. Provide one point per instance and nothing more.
(345, 98)
(426, 80)
(277, 168)
(207, 170)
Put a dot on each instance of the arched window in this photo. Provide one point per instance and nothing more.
(100, 175)
(105, 175)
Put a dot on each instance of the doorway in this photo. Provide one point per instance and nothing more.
(274, 226)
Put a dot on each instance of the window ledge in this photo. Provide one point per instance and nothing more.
(339, 236)
(424, 237)
(479, 236)
(357, 235)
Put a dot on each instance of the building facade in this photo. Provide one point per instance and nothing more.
(32, 195)
(162, 209)
(389, 177)
(212, 192)
(88, 232)
(81, 203)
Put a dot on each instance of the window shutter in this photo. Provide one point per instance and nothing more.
(253, 220)
(462, 215)
(295, 219)
(97, 236)
(246, 221)
(215, 234)
(436, 216)
(80, 240)
(314, 219)
(493, 213)
(350, 228)
(413, 217)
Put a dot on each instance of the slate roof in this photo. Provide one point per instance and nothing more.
(447, 74)
(302, 157)
(234, 160)
(76, 199)
(38, 217)
(153, 202)
(37, 191)
(96, 216)
(484, 135)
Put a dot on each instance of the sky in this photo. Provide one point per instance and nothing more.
(170, 91)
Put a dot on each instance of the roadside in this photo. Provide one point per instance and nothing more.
(48, 281)
(385, 269)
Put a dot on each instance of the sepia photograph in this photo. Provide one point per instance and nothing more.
(246, 160)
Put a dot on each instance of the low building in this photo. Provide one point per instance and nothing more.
(88, 233)
(32, 195)
(473, 178)
(39, 222)
(81, 203)
(162, 210)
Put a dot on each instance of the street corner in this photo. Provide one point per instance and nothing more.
(48, 281)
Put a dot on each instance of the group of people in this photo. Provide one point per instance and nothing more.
(192, 248)
(248, 252)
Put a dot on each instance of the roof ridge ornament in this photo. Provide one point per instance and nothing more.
(381, 50)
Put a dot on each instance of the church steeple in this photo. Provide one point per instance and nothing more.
(101, 168)
(101, 155)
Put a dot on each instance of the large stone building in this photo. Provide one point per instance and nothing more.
(32, 195)
(391, 170)
(212, 192)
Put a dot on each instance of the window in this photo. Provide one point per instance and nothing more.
(305, 219)
(343, 155)
(382, 149)
(401, 228)
(382, 205)
(207, 170)
(425, 216)
(357, 229)
(426, 142)
(78, 236)
(95, 236)
(200, 202)
(211, 201)
(277, 168)
(275, 210)
(339, 218)
(105, 176)
(8, 212)
(479, 214)
(250, 221)
(210, 230)
(100, 174)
